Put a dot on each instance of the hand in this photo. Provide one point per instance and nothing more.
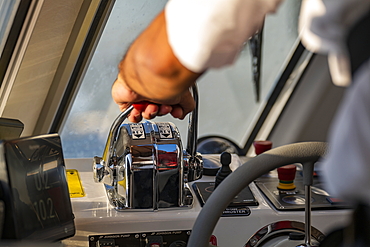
(151, 72)
(178, 107)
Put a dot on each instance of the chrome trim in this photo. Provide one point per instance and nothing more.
(307, 216)
(144, 165)
(193, 126)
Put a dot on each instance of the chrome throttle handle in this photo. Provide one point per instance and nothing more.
(101, 174)
(144, 165)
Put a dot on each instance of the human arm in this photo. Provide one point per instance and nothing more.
(151, 72)
(183, 41)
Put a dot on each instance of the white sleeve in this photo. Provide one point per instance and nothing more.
(346, 169)
(211, 33)
(323, 27)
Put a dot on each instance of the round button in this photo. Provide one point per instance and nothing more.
(287, 173)
(262, 146)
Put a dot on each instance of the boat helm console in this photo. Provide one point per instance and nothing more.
(148, 191)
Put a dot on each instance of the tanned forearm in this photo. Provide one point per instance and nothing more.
(150, 68)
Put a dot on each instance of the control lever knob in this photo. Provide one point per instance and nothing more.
(140, 105)
(225, 170)
(262, 146)
(286, 175)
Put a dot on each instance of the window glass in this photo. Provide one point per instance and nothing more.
(227, 104)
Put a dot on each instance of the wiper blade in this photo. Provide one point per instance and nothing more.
(255, 44)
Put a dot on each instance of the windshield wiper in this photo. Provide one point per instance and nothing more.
(255, 44)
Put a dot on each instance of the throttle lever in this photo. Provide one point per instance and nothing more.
(164, 170)
(142, 105)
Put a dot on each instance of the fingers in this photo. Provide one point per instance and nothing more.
(124, 97)
(149, 111)
(135, 116)
(154, 110)
(186, 105)
(177, 112)
(164, 110)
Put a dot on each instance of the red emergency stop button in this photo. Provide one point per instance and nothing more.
(213, 240)
(286, 175)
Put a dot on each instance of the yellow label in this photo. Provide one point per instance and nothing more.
(74, 184)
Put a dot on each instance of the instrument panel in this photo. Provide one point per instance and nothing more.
(34, 190)
(97, 220)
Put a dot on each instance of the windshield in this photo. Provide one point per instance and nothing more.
(227, 100)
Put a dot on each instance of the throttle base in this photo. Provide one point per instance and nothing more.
(239, 205)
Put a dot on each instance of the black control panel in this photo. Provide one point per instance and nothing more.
(295, 199)
(34, 190)
(143, 239)
(238, 207)
(240, 204)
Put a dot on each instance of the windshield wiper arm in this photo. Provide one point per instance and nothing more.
(255, 44)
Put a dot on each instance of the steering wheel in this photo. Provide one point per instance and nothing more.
(304, 153)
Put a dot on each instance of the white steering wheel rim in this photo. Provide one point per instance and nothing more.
(305, 152)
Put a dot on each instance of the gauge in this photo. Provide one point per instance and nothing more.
(34, 189)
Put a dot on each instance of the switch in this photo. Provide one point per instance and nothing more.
(262, 146)
(105, 243)
(286, 175)
(224, 171)
(154, 241)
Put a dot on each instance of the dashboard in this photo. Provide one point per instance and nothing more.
(99, 224)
